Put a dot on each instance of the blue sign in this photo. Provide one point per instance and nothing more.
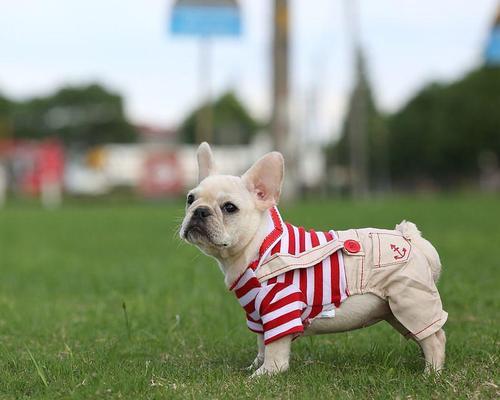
(492, 53)
(205, 19)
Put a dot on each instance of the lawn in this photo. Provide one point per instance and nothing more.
(66, 276)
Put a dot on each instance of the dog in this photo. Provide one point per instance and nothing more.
(292, 282)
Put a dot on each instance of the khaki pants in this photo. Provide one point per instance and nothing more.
(390, 267)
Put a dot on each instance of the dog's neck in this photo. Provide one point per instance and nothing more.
(233, 266)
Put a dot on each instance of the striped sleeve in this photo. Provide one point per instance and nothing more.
(280, 310)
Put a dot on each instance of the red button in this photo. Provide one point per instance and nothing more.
(352, 246)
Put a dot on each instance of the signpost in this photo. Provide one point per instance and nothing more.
(205, 19)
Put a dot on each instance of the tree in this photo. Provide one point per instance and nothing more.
(374, 130)
(86, 116)
(232, 122)
(442, 131)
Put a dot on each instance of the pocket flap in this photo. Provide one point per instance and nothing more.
(280, 263)
(390, 249)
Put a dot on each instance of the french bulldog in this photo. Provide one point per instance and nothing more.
(292, 282)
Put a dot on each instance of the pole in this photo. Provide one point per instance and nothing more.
(204, 119)
(357, 120)
(280, 124)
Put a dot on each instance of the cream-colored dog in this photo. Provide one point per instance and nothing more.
(293, 282)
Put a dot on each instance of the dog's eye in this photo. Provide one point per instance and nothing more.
(229, 208)
(190, 200)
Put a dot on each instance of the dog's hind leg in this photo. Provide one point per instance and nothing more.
(392, 320)
(434, 347)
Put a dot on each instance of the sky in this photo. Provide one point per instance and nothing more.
(126, 46)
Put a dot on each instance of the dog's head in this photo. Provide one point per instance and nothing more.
(223, 212)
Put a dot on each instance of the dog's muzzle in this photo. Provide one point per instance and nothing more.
(197, 223)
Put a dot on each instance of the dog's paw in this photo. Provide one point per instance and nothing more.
(261, 372)
(268, 371)
(431, 370)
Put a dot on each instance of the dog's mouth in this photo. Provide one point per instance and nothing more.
(194, 232)
(199, 235)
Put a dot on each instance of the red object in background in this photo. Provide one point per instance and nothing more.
(51, 162)
(34, 163)
(6, 146)
(162, 175)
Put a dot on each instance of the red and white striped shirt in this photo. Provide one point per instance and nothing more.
(285, 304)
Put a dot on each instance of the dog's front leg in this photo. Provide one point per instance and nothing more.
(260, 353)
(276, 357)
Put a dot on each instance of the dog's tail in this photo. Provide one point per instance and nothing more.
(410, 231)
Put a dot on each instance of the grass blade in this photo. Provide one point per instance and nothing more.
(39, 370)
(124, 306)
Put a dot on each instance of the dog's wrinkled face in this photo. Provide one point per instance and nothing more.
(224, 212)
(216, 211)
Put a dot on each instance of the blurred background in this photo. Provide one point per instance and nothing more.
(385, 110)
(102, 99)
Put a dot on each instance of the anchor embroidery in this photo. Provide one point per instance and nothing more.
(396, 250)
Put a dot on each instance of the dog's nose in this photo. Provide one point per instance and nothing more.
(202, 212)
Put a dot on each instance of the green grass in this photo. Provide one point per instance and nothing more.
(65, 275)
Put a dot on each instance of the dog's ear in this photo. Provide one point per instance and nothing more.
(264, 179)
(206, 164)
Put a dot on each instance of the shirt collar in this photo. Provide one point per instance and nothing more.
(274, 232)
(275, 228)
